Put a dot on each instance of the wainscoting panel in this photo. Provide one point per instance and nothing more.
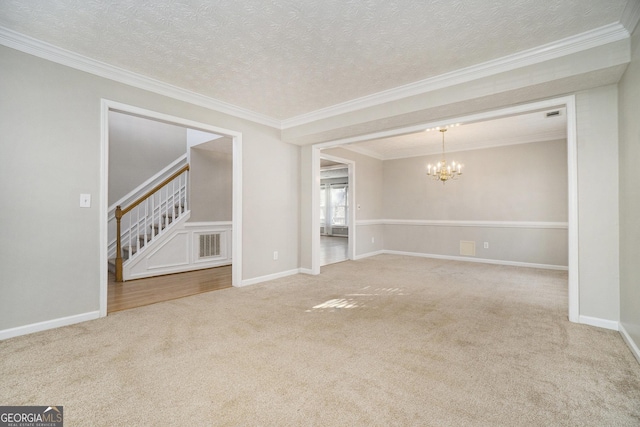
(180, 250)
(536, 243)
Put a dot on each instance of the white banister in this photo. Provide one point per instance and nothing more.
(142, 216)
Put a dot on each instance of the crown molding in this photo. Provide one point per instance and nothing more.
(567, 46)
(631, 15)
(35, 47)
(587, 40)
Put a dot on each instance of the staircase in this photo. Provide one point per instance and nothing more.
(148, 218)
(155, 229)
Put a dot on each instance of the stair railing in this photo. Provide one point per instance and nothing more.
(154, 211)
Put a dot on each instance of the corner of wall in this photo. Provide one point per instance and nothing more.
(633, 346)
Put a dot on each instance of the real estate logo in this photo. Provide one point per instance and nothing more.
(31, 416)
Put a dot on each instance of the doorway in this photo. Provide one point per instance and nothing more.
(567, 102)
(236, 196)
(335, 195)
(334, 212)
(151, 290)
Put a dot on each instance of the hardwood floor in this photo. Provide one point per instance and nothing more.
(140, 292)
(333, 249)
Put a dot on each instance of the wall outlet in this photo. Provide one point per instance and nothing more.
(486, 245)
(373, 240)
(275, 255)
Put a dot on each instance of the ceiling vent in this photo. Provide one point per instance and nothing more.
(553, 113)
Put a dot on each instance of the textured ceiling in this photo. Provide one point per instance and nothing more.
(284, 58)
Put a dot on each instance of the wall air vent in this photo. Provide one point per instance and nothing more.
(209, 245)
(553, 113)
(468, 247)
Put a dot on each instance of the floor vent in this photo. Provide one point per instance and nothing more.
(209, 245)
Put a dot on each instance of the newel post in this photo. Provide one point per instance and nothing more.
(118, 245)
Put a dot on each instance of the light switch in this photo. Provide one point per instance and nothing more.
(85, 200)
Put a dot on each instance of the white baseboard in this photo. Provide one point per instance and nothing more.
(369, 254)
(305, 271)
(268, 277)
(480, 260)
(48, 324)
(600, 323)
(632, 345)
(163, 271)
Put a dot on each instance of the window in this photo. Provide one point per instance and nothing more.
(339, 204)
(334, 206)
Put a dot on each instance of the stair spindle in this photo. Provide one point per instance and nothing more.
(118, 245)
(153, 214)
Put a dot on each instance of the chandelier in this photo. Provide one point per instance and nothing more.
(441, 171)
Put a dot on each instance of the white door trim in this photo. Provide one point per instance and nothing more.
(106, 106)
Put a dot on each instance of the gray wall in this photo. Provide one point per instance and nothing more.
(525, 182)
(211, 184)
(50, 123)
(629, 156)
(597, 113)
(517, 245)
(270, 200)
(138, 149)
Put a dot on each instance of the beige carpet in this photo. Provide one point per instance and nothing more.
(384, 341)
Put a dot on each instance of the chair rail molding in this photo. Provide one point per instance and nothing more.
(466, 223)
